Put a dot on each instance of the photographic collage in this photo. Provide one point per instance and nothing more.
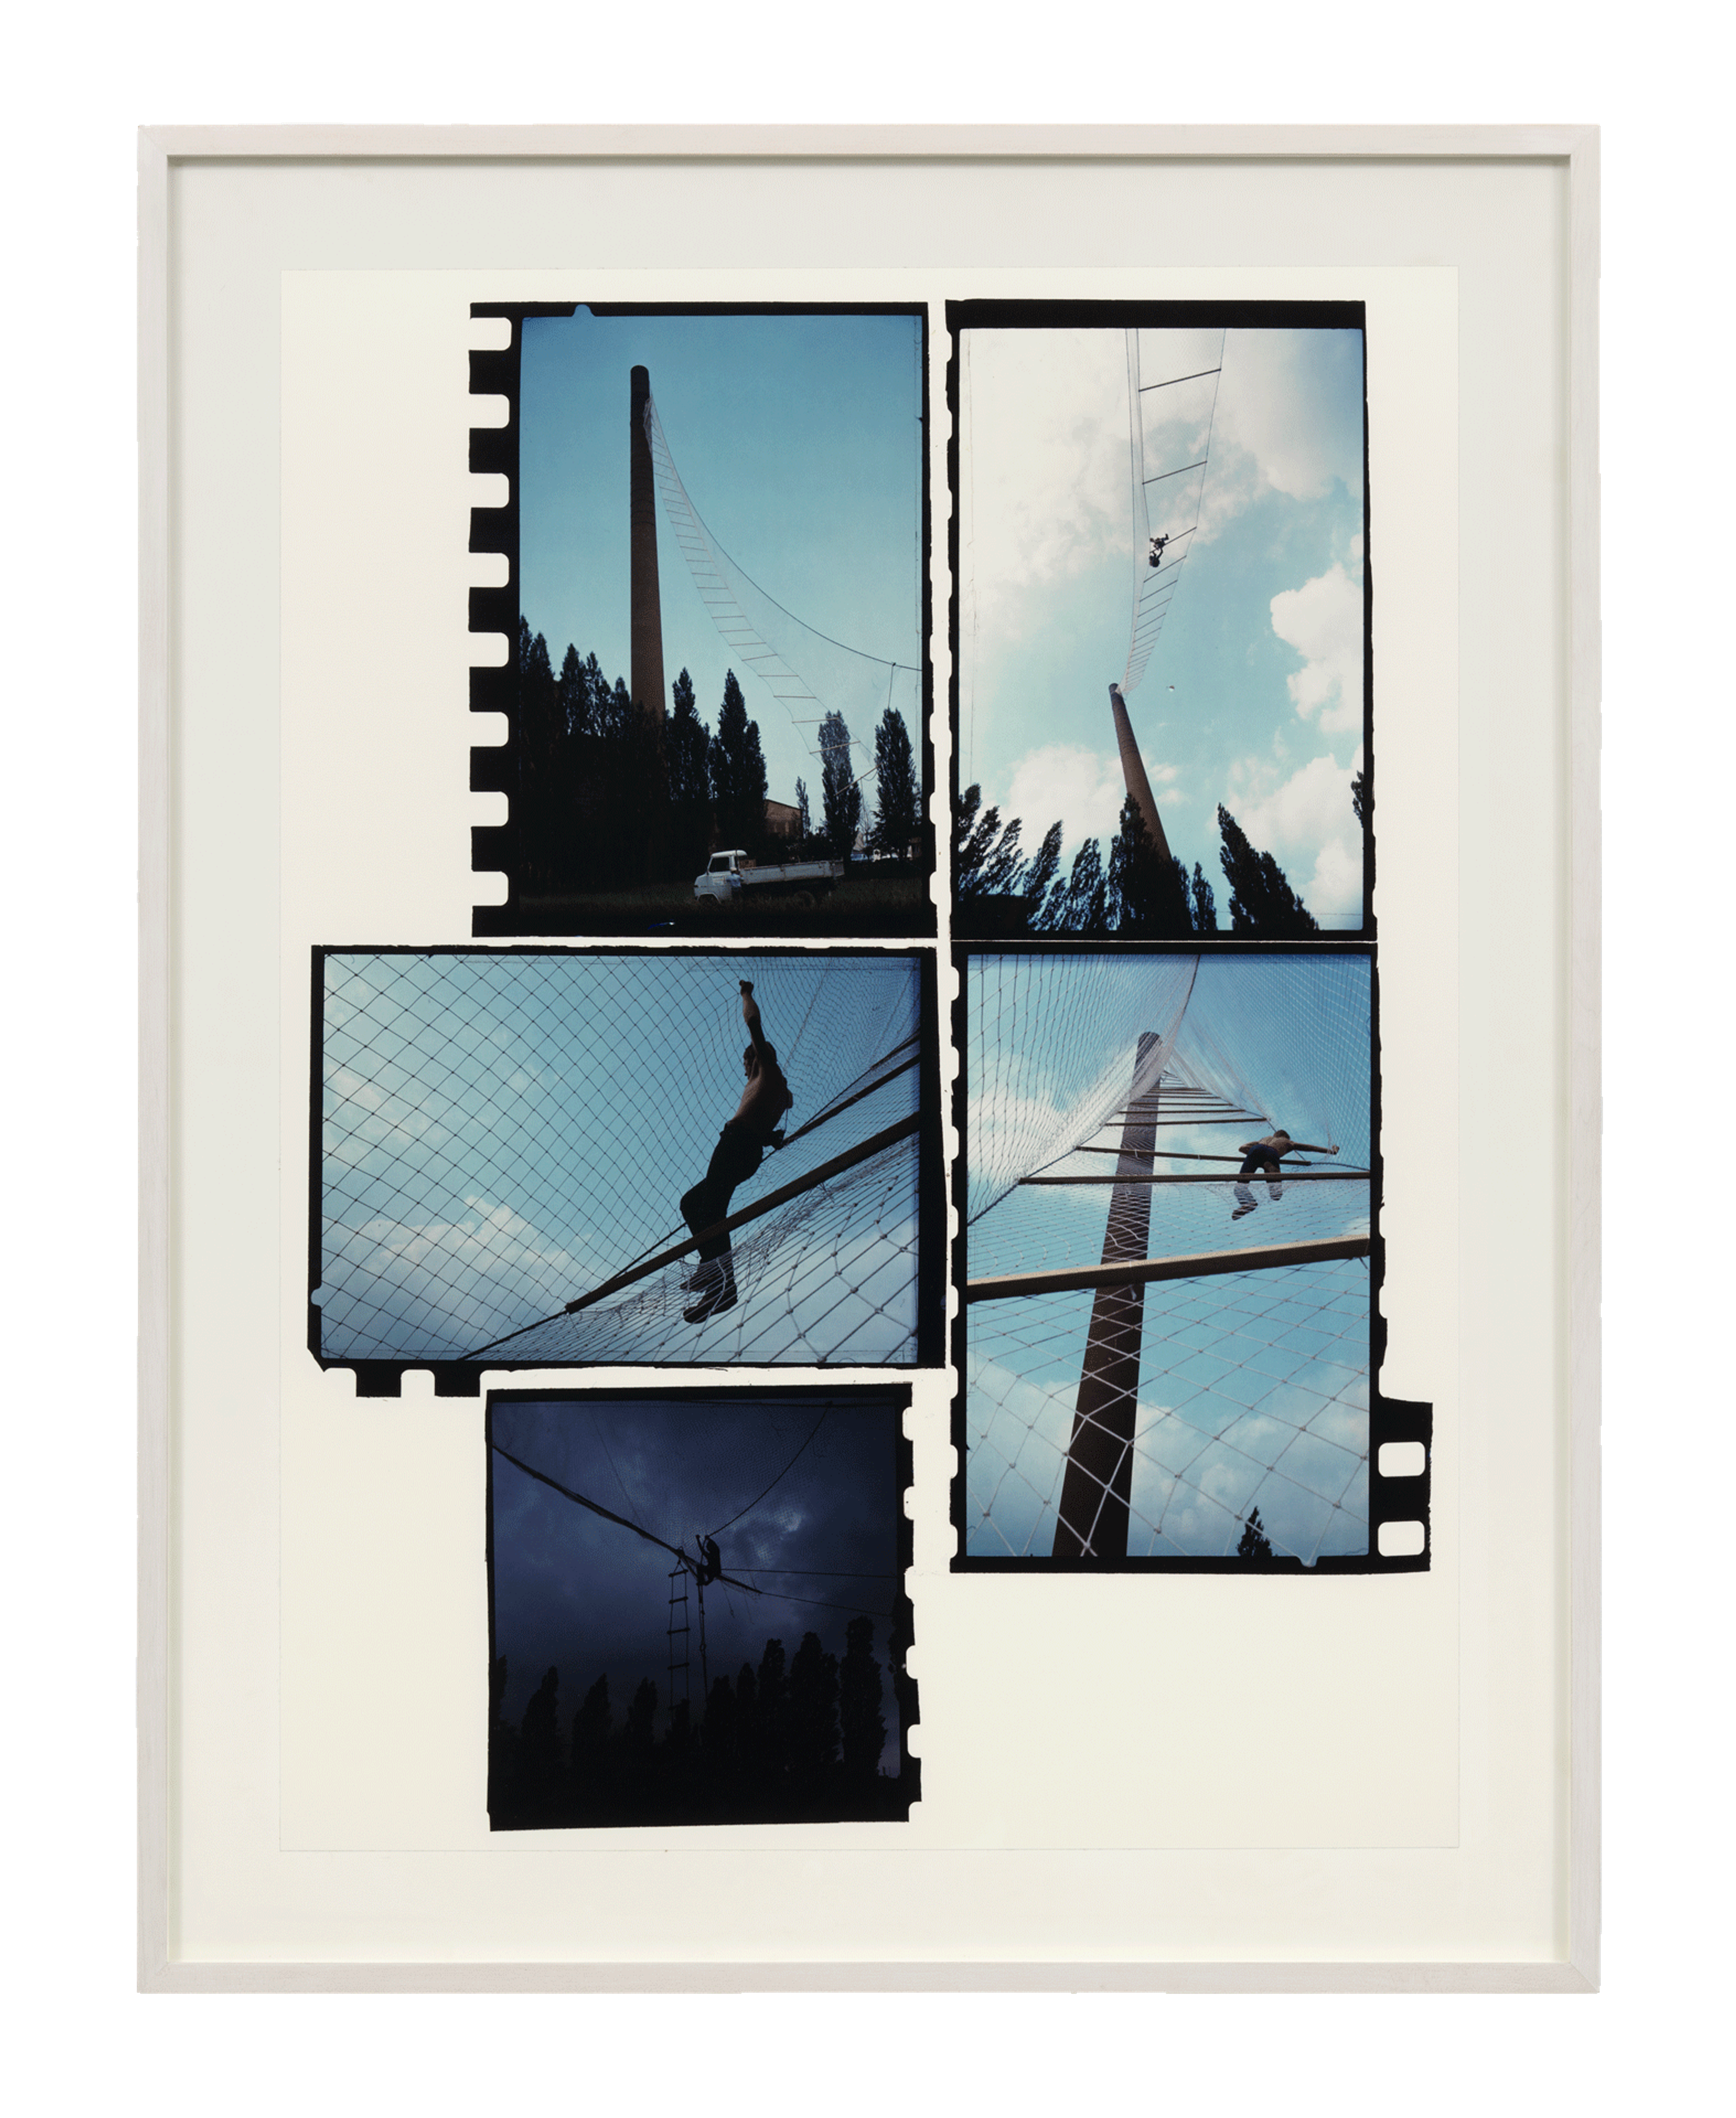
(930, 752)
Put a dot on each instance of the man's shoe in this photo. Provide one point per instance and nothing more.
(717, 1289)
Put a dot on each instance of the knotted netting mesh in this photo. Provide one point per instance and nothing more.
(1172, 379)
(503, 1133)
(1111, 1098)
(810, 673)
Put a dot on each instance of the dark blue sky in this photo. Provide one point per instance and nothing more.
(800, 1489)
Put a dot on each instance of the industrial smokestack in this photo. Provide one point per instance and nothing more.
(1133, 770)
(647, 679)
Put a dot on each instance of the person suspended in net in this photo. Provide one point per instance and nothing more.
(1158, 545)
(1264, 1157)
(741, 1147)
(711, 1562)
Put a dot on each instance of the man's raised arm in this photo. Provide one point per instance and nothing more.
(751, 1016)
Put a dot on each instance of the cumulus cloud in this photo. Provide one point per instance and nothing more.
(441, 1287)
(1283, 399)
(1082, 787)
(1045, 480)
(1289, 420)
(1306, 823)
(1044, 434)
(1322, 621)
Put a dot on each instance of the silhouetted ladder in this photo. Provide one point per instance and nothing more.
(678, 1630)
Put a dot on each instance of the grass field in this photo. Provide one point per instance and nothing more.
(865, 903)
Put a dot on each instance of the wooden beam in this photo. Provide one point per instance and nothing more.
(904, 1129)
(1206, 1176)
(1193, 1154)
(1241, 1120)
(1199, 1264)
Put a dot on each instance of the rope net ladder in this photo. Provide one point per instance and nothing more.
(505, 1139)
(1157, 1346)
(1172, 379)
(810, 673)
(801, 1499)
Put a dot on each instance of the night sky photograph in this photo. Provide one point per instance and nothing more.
(697, 1608)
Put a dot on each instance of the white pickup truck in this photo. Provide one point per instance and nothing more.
(729, 874)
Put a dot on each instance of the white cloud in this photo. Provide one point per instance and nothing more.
(1307, 817)
(1333, 892)
(1045, 444)
(447, 1285)
(1322, 621)
(1080, 786)
(1233, 483)
(1045, 472)
(1272, 403)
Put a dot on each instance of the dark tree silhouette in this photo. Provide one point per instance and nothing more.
(840, 797)
(1359, 796)
(987, 859)
(687, 745)
(1148, 894)
(738, 773)
(718, 1734)
(1082, 907)
(501, 1737)
(794, 1743)
(747, 1724)
(1038, 878)
(1261, 899)
(1255, 1544)
(804, 815)
(572, 697)
(898, 797)
(638, 1734)
(813, 1711)
(860, 1692)
(590, 1751)
(773, 1716)
(1205, 904)
(539, 1743)
(537, 803)
(595, 706)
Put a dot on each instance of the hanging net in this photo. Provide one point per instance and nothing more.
(1253, 1393)
(801, 1496)
(675, 1540)
(504, 1135)
(810, 674)
(1110, 1098)
(1172, 378)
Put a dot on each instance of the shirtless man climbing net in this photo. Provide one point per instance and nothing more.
(740, 1145)
(1263, 1158)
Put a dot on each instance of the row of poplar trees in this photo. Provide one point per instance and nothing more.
(783, 1741)
(1135, 892)
(599, 804)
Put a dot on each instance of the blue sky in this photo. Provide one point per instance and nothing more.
(1253, 1387)
(798, 440)
(503, 1131)
(1294, 1030)
(1253, 694)
(591, 1598)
